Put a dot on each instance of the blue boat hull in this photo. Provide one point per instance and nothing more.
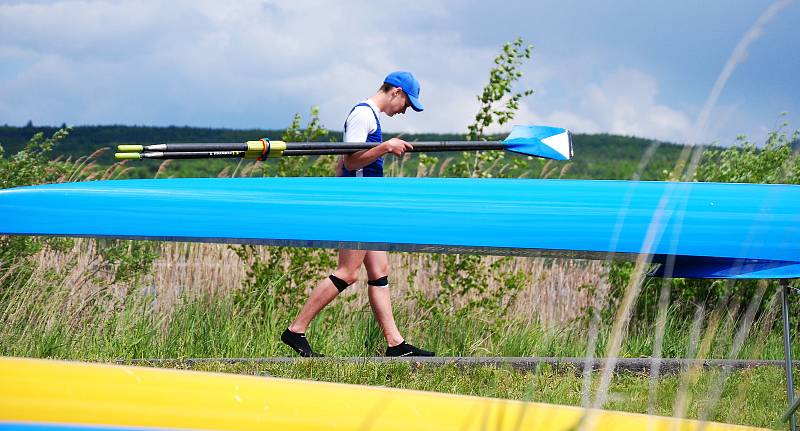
(712, 230)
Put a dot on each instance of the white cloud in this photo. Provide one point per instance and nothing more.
(238, 64)
(255, 63)
(625, 103)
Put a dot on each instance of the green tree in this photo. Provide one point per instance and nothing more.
(499, 104)
(299, 166)
(469, 276)
(499, 90)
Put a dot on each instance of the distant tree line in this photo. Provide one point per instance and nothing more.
(599, 156)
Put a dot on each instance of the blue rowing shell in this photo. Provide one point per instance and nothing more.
(710, 230)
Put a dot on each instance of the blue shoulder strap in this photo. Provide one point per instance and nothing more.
(354, 108)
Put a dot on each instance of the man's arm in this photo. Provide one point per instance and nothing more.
(363, 158)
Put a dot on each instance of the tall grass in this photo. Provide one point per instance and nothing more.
(195, 304)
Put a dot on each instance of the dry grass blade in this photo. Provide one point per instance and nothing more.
(565, 170)
(224, 173)
(162, 167)
(81, 170)
(249, 169)
(444, 165)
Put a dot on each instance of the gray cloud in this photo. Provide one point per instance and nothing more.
(255, 63)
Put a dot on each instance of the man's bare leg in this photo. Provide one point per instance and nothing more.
(377, 265)
(349, 263)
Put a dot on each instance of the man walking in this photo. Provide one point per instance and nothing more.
(400, 90)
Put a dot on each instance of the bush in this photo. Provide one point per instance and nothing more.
(31, 165)
(776, 162)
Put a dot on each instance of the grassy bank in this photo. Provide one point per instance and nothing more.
(55, 315)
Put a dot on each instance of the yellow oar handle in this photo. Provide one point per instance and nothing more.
(255, 146)
(128, 156)
(130, 148)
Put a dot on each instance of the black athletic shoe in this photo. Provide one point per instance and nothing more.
(405, 349)
(299, 343)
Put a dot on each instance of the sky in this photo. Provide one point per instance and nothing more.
(625, 67)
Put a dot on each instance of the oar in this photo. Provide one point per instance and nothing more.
(539, 141)
(310, 152)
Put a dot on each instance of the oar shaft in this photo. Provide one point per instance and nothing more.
(418, 146)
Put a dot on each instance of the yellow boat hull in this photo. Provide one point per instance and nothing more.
(99, 395)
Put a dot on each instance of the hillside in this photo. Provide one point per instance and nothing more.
(599, 156)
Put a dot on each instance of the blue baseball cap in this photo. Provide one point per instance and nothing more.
(409, 84)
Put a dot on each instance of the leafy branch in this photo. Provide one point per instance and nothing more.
(501, 80)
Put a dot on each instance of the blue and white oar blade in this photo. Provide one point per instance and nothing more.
(540, 141)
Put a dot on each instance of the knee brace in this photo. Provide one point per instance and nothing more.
(380, 282)
(340, 284)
